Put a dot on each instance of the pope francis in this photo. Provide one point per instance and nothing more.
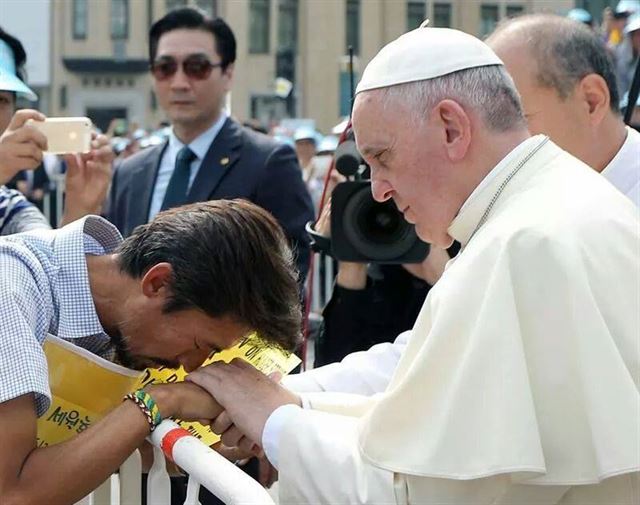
(520, 381)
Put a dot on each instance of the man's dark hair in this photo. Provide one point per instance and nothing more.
(193, 19)
(229, 258)
(565, 51)
(19, 54)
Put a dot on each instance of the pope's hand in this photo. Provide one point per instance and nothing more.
(247, 395)
(21, 145)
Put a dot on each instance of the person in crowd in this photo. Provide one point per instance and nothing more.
(581, 16)
(208, 154)
(22, 146)
(627, 54)
(306, 143)
(196, 279)
(615, 20)
(520, 380)
(568, 88)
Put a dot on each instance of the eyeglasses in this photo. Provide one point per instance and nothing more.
(195, 67)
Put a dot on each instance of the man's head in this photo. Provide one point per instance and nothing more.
(566, 80)
(431, 128)
(12, 60)
(305, 140)
(192, 60)
(201, 277)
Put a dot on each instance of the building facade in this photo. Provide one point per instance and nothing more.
(100, 64)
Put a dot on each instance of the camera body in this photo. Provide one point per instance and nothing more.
(363, 230)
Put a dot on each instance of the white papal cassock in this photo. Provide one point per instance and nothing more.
(520, 382)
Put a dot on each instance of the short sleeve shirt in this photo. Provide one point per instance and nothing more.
(44, 289)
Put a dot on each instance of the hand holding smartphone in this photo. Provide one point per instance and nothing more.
(65, 134)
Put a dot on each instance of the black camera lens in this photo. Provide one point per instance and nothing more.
(369, 225)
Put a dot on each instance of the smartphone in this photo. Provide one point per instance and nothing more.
(65, 134)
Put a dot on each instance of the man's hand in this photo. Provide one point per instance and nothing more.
(185, 401)
(248, 396)
(87, 179)
(21, 145)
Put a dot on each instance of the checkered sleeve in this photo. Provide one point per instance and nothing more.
(25, 313)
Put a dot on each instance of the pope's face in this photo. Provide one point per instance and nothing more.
(407, 165)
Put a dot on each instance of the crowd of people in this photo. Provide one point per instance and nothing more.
(504, 370)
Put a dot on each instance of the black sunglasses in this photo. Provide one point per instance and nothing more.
(195, 67)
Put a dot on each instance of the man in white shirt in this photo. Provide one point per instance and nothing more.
(567, 83)
(519, 383)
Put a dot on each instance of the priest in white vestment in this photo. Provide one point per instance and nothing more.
(566, 82)
(519, 383)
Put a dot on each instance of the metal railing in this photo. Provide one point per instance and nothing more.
(204, 466)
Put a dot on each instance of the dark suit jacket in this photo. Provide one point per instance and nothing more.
(239, 164)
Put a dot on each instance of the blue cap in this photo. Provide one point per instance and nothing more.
(328, 144)
(306, 133)
(283, 139)
(580, 15)
(633, 24)
(628, 7)
(9, 81)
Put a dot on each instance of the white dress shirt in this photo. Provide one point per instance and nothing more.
(200, 145)
(623, 171)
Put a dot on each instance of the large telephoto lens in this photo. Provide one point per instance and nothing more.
(377, 230)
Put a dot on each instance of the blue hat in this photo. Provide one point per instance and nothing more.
(633, 24)
(328, 144)
(580, 15)
(628, 7)
(9, 81)
(306, 133)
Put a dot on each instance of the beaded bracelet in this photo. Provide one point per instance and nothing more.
(147, 405)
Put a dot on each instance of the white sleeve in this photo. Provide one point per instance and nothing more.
(320, 462)
(364, 373)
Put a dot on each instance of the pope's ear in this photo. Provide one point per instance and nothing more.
(157, 281)
(456, 127)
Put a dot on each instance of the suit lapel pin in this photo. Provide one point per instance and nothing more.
(224, 161)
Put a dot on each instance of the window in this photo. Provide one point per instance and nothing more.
(441, 15)
(175, 4)
(416, 13)
(208, 6)
(288, 24)
(79, 21)
(353, 25)
(514, 10)
(119, 19)
(488, 19)
(259, 26)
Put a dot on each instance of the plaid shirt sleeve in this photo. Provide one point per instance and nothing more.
(17, 214)
(26, 308)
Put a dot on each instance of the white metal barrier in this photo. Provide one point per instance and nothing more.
(204, 466)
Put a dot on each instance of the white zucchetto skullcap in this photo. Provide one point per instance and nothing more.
(425, 53)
